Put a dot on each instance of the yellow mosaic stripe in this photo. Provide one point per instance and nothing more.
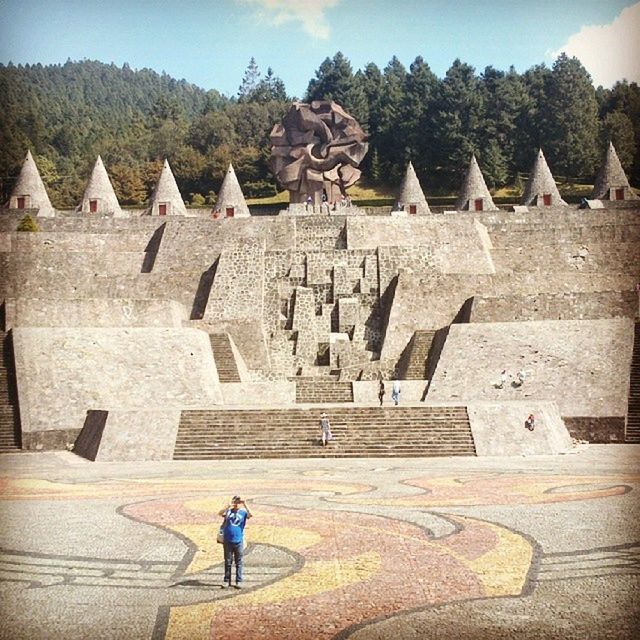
(193, 622)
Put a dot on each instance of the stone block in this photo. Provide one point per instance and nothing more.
(64, 372)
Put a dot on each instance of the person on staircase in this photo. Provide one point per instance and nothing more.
(381, 391)
(325, 426)
(395, 391)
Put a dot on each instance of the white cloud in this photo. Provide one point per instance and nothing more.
(609, 52)
(310, 13)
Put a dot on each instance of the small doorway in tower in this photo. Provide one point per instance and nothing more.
(22, 202)
(478, 204)
(93, 206)
(162, 209)
(229, 212)
(619, 194)
(546, 199)
(413, 208)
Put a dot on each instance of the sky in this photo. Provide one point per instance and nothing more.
(210, 42)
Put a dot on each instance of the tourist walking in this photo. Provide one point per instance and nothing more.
(325, 426)
(530, 422)
(381, 392)
(235, 517)
(395, 392)
(504, 376)
(521, 376)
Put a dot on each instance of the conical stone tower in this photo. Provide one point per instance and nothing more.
(231, 202)
(611, 182)
(166, 199)
(411, 197)
(474, 195)
(541, 189)
(29, 191)
(99, 196)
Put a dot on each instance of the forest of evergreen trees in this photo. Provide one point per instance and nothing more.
(68, 114)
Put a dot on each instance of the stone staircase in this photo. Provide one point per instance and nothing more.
(225, 360)
(632, 428)
(322, 390)
(9, 416)
(295, 433)
(417, 365)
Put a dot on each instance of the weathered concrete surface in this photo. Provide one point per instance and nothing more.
(63, 372)
(582, 365)
(458, 245)
(267, 394)
(123, 312)
(498, 429)
(139, 435)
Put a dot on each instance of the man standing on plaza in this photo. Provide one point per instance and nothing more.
(235, 517)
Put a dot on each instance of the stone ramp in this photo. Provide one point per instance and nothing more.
(632, 429)
(295, 433)
(9, 416)
(322, 391)
(223, 355)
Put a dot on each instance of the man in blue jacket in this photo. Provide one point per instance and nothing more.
(235, 517)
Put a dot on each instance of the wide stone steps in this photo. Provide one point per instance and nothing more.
(295, 433)
(417, 367)
(322, 391)
(632, 428)
(224, 357)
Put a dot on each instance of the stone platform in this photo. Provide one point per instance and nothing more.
(526, 547)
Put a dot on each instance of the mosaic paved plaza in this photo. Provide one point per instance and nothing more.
(535, 547)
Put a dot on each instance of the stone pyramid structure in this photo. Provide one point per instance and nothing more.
(411, 198)
(611, 182)
(99, 196)
(231, 202)
(29, 191)
(541, 189)
(166, 199)
(474, 195)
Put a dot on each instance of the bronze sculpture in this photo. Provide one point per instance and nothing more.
(316, 150)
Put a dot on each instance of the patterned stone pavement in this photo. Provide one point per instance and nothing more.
(540, 547)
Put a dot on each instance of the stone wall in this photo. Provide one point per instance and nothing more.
(29, 312)
(570, 256)
(582, 365)
(138, 436)
(453, 245)
(195, 244)
(498, 429)
(602, 429)
(129, 241)
(412, 392)
(237, 290)
(64, 372)
(555, 306)
(276, 393)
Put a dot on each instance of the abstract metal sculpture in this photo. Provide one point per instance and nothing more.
(316, 150)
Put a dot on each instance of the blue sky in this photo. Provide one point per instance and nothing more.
(210, 42)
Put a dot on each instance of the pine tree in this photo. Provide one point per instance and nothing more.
(507, 105)
(270, 88)
(618, 129)
(335, 81)
(571, 127)
(458, 121)
(27, 223)
(250, 81)
(417, 112)
(532, 119)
